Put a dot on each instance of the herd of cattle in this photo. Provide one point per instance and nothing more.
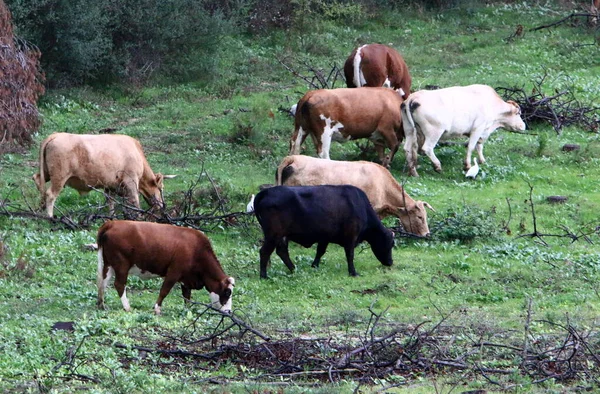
(315, 200)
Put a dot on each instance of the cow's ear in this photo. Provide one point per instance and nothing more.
(425, 203)
(159, 180)
(514, 104)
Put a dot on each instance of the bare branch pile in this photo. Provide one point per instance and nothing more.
(384, 350)
(560, 110)
(21, 84)
(316, 78)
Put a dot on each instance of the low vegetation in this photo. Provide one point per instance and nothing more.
(505, 294)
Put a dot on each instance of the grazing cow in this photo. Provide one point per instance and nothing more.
(349, 114)
(377, 65)
(319, 214)
(115, 163)
(474, 111)
(148, 250)
(386, 195)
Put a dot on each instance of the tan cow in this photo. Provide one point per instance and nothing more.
(386, 195)
(115, 163)
(349, 114)
(474, 111)
(377, 65)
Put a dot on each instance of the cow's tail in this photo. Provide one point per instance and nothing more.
(282, 172)
(40, 179)
(357, 59)
(250, 206)
(407, 108)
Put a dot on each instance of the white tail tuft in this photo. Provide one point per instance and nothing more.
(293, 109)
(359, 78)
(250, 206)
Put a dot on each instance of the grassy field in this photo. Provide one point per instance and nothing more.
(476, 280)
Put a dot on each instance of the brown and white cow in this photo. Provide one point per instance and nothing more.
(112, 162)
(385, 194)
(349, 114)
(377, 65)
(148, 250)
(474, 111)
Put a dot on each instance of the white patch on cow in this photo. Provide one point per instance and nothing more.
(134, 270)
(250, 206)
(387, 83)
(359, 77)
(125, 301)
(157, 309)
(401, 92)
(296, 148)
(102, 282)
(293, 109)
(331, 133)
(214, 300)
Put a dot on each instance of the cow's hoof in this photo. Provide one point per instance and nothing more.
(354, 273)
(102, 307)
(438, 169)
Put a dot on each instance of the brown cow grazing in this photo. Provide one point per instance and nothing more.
(115, 163)
(177, 254)
(377, 65)
(349, 114)
(385, 194)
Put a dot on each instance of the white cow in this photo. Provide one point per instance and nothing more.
(474, 111)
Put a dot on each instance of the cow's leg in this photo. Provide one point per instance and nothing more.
(392, 143)
(298, 139)
(410, 150)
(52, 193)
(104, 275)
(322, 145)
(168, 283)
(321, 248)
(120, 282)
(427, 148)
(349, 249)
(473, 141)
(479, 148)
(265, 253)
(283, 253)
(186, 292)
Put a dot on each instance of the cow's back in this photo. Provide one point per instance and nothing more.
(371, 178)
(94, 159)
(326, 210)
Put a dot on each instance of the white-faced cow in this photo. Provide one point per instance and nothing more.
(474, 111)
(349, 114)
(377, 65)
(320, 215)
(148, 250)
(115, 163)
(385, 194)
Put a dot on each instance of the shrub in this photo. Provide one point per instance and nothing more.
(465, 225)
(21, 84)
(98, 40)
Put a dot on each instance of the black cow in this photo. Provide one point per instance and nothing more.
(319, 214)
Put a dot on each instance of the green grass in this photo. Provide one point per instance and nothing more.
(233, 130)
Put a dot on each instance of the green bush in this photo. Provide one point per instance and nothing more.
(99, 40)
(465, 225)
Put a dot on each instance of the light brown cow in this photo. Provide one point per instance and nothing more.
(115, 163)
(474, 111)
(386, 195)
(349, 114)
(377, 65)
(177, 254)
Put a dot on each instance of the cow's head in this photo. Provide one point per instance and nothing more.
(382, 247)
(152, 190)
(414, 218)
(221, 299)
(511, 119)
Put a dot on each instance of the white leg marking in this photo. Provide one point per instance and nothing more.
(156, 309)
(125, 301)
(330, 133)
(359, 78)
(296, 147)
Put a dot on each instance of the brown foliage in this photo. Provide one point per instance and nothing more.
(22, 85)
